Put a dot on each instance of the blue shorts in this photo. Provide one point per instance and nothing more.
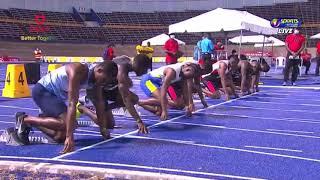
(150, 84)
(50, 104)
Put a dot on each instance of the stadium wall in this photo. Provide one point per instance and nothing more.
(133, 5)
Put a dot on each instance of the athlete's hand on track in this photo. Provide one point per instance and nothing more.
(188, 113)
(68, 145)
(192, 107)
(105, 133)
(189, 109)
(227, 97)
(204, 103)
(142, 128)
(164, 115)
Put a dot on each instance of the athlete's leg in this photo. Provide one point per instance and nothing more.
(51, 122)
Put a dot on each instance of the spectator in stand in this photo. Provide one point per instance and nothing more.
(207, 49)
(109, 52)
(146, 50)
(318, 59)
(295, 43)
(171, 47)
(306, 57)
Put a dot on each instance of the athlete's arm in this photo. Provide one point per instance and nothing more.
(244, 68)
(169, 75)
(199, 91)
(188, 89)
(100, 107)
(124, 86)
(75, 72)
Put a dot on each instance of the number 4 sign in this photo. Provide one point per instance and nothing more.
(16, 85)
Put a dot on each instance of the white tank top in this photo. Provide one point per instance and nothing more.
(216, 65)
(57, 81)
(159, 73)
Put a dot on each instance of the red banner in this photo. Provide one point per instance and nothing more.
(8, 58)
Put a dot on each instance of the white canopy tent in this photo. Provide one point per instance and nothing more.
(250, 39)
(274, 42)
(317, 36)
(258, 40)
(160, 40)
(224, 20)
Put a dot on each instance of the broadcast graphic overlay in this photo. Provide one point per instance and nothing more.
(38, 28)
(285, 25)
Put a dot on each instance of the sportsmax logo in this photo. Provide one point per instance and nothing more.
(292, 21)
(285, 25)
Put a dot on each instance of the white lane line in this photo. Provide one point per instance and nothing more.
(251, 130)
(286, 132)
(97, 134)
(274, 109)
(130, 133)
(17, 107)
(292, 87)
(80, 134)
(287, 90)
(6, 122)
(265, 102)
(6, 115)
(161, 139)
(270, 148)
(288, 98)
(195, 124)
(289, 131)
(287, 95)
(264, 118)
(88, 131)
(193, 144)
(241, 117)
(133, 166)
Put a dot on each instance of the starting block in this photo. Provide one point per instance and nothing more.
(52, 67)
(16, 85)
(9, 136)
